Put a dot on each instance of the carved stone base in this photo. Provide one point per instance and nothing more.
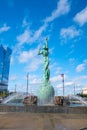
(30, 100)
(58, 100)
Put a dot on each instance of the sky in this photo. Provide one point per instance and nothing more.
(24, 26)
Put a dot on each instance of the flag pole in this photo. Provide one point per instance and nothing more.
(63, 86)
(74, 88)
(62, 75)
(27, 82)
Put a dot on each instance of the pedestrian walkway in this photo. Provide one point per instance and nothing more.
(42, 121)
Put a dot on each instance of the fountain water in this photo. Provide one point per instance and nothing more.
(14, 97)
(76, 100)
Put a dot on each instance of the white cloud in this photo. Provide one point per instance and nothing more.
(69, 33)
(80, 81)
(25, 56)
(59, 86)
(81, 67)
(39, 32)
(70, 83)
(58, 70)
(4, 28)
(31, 58)
(63, 7)
(57, 78)
(24, 37)
(34, 79)
(29, 36)
(80, 78)
(25, 23)
(67, 84)
(81, 17)
(34, 64)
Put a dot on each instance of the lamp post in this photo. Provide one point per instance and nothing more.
(15, 88)
(74, 88)
(27, 82)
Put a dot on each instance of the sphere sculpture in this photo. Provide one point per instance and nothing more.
(46, 90)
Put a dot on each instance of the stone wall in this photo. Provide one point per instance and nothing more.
(44, 109)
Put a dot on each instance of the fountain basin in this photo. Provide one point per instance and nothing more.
(44, 109)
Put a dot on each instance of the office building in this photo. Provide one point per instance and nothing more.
(5, 55)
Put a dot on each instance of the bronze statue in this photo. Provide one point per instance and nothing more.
(45, 53)
(46, 90)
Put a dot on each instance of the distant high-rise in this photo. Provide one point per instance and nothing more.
(5, 54)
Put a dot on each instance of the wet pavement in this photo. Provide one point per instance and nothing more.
(42, 121)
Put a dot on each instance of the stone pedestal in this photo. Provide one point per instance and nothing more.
(45, 94)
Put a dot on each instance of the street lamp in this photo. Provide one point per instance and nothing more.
(15, 88)
(74, 88)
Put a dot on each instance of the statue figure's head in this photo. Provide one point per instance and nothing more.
(44, 47)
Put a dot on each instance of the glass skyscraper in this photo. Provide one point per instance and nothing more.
(5, 54)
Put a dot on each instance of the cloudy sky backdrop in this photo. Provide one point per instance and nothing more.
(24, 25)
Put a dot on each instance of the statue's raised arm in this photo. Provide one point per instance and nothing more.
(46, 43)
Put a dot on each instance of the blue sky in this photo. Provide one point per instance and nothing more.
(24, 25)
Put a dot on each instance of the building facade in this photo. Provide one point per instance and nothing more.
(84, 91)
(5, 55)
